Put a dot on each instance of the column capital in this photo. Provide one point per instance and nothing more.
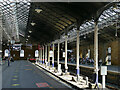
(49, 44)
(66, 36)
(77, 31)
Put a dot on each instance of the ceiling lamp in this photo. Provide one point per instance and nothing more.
(30, 31)
(33, 24)
(38, 10)
(28, 36)
(85, 37)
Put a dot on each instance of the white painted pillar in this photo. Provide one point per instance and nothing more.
(103, 81)
(48, 55)
(53, 57)
(58, 54)
(66, 67)
(43, 54)
(39, 56)
(1, 42)
(96, 52)
(77, 44)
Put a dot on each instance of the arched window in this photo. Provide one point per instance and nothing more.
(21, 53)
(6, 53)
(36, 53)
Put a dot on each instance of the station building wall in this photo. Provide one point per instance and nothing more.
(27, 52)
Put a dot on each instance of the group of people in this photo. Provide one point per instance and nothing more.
(86, 61)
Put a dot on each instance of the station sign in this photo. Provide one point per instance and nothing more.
(103, 70)
(63, 54)
(51, 53)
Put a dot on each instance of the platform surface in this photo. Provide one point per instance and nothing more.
(22, 74)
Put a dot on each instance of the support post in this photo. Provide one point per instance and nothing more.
(77, 64)
(39, 56)
(53, 57)
(48, 55)
(103, 81)
(1, 32)
(1, 36)
(96, 52)
(43, 54)
(58, 55)
(66, 67)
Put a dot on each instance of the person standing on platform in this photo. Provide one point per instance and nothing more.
(9, 61)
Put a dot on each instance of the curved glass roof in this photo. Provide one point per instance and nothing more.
(15, 16)
(107, 18)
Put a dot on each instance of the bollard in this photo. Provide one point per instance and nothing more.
(103, 72)
(59, 68)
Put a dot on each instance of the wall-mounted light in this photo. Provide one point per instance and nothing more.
(38, 10)
(26, 39)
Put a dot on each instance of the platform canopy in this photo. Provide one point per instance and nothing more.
(45, 22)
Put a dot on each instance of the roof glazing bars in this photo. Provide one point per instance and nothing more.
(13, 12)
(107, 17)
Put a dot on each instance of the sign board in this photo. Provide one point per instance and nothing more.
(29, 46)
(6, 53)
(88, 53)
(51, 53)
(63, 54)
(21, 53)
(109, 50)
(103, 70)
(36, 53)
(17, 47)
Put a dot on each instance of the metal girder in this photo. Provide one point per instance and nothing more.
(57, 14)
(100, 11)
(57, 19)
(53, 19)
(59, 11)
(53, 24)
(49, 22)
